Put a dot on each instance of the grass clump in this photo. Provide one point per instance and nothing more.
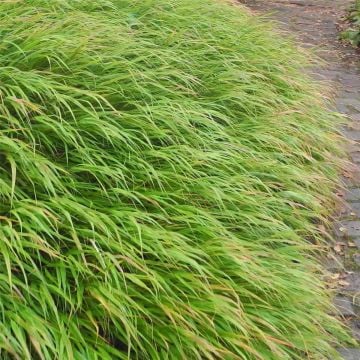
(352, 34)
(164, 164)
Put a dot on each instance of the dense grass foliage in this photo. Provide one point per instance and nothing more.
(353, 33)
(164, 168)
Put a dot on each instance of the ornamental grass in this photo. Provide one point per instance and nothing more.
(164, 168)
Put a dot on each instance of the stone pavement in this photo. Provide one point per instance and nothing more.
(314, 23)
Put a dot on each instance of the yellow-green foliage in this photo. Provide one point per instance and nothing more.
(164, 164)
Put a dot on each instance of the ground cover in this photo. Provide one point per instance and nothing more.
(352, 33)
(166, 175)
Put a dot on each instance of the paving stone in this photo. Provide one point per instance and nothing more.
(354, 105)
(355, 157)
(342, 108)
(350, 354)
(355, 117)
(350, 105)
(354, 283)
(352, 194)
(349, 228)
(352, 125)
(356, 240)
(355, 208)
(299, 2)
(326, 74)
(351, 134)
(344, 306)
(355, 329)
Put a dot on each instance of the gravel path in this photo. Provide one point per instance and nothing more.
(315, 24)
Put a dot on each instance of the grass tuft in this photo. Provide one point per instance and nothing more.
(164, 166)
(352, 33)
